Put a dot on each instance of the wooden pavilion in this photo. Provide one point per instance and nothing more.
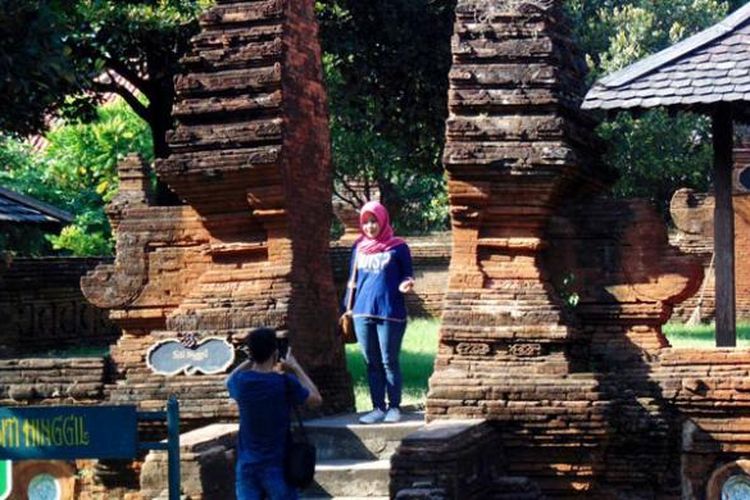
(17, 209)
(707, 73)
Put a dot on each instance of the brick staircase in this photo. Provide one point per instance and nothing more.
(354, 459)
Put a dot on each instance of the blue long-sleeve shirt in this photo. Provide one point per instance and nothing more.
(378, 277)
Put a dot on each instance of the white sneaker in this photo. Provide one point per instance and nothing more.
(374, 416)
(393, 415)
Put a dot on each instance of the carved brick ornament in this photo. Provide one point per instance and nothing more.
(525, 350)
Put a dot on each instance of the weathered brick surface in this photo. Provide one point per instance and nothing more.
(460, 459)
(42, 381)
(207, 460)
(42, 307)
(709, 388)
(569, 383)
(692, 214)
(250, 156)
(510, 155)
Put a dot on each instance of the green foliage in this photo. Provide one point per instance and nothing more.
(53, 53)
(364, 155)
(655, 153)
(78, 173)
(615, 33)
(27, 241)
(142, 40)
(566, 290)
(36, 71)
(88, 235)
(386, 67)
(18, 173)
(85, 156)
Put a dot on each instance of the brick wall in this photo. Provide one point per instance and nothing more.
(43, 308)
(45, 381)
(462, 459)
(556, 299)
(692, 215)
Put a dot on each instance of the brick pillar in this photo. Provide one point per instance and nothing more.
(250, 157)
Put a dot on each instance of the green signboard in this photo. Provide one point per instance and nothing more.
(6, 479)
(68, 432)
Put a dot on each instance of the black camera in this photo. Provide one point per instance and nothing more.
(282, 344)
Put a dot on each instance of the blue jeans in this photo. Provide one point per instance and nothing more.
(258, 482)
(380, 341)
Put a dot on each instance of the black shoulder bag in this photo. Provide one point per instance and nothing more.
(299, 462)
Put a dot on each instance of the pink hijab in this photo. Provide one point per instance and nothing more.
(385, 240)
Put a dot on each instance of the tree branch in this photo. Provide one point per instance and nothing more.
(130, 75)
(352, 198)
(130, 98)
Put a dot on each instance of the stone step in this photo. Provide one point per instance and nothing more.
(350, 478)
(342, 498)
(343, 437)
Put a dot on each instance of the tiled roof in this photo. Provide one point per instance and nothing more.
(19, 209)
(710, 67)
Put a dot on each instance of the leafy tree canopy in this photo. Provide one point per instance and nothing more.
(386, 65)
(654, 153)
(53, 54)
(36, 69)
(386, 68)
(77, 172)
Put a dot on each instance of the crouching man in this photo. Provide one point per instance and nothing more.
(264, 388)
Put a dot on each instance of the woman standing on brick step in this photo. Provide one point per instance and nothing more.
(383, 275)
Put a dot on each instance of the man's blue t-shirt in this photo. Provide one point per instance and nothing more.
(264, 414)
(378, 277)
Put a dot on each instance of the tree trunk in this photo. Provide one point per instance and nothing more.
(160, 107)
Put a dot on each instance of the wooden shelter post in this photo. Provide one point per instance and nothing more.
(706, 72)
(723, 142)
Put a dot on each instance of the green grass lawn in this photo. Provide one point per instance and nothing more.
(82, 351)
(417, 357)
(701, 336)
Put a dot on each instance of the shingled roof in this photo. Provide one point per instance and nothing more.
(16, 208)
(710, 67)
